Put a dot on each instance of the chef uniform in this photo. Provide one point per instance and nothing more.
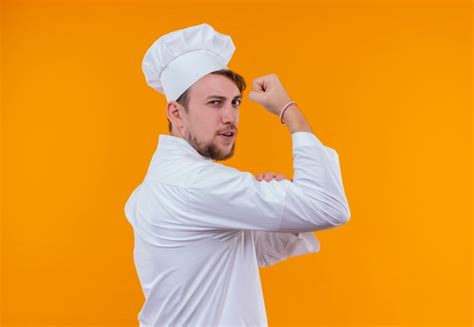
(203, 229)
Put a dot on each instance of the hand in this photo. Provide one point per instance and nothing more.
(269, 176)
(268, 91)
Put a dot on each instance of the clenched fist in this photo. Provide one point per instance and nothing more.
(269, 92)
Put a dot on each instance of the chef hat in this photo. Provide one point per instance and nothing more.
(178, 59)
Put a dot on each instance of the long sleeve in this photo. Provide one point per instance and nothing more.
(273, 247)
(224, 198)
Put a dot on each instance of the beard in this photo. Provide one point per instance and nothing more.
(209, 150)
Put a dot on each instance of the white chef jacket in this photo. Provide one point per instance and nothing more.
(202, 229)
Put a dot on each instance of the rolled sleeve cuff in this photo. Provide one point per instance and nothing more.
(300, 139)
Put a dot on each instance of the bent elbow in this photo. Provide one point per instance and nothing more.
(344, 217)
(337, 208)
(344, 214)
(324, 217)
(337, 217)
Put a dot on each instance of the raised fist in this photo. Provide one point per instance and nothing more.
(269, 92)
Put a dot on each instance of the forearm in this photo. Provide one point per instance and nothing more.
(295, 120)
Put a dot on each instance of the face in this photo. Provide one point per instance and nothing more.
(214, 104)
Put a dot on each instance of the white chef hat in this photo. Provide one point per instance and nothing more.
(178, 59)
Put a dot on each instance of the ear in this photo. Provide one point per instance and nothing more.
(175, 113)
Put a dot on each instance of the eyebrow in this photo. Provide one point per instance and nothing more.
(221, 97)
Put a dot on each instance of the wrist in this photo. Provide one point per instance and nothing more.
(284, 108)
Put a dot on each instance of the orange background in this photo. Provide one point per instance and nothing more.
(387, 84)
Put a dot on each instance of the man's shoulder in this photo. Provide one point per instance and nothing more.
(186, 172)
(217, 175)
(196, 174)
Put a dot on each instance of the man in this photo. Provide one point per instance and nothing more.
(201, 228)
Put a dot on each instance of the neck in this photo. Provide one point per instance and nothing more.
(176, 133)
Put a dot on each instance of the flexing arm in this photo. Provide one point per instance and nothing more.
(314, 200)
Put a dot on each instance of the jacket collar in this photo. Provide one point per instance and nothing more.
(174, 147)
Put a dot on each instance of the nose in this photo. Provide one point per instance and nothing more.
(230, 114)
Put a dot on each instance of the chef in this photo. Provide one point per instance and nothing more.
(202, 229)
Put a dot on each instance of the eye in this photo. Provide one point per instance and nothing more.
(213, 101)
(239, 101)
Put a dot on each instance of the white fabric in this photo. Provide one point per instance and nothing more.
(202, 229)
(178, 59)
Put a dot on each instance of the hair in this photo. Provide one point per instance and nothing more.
(233, 76)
